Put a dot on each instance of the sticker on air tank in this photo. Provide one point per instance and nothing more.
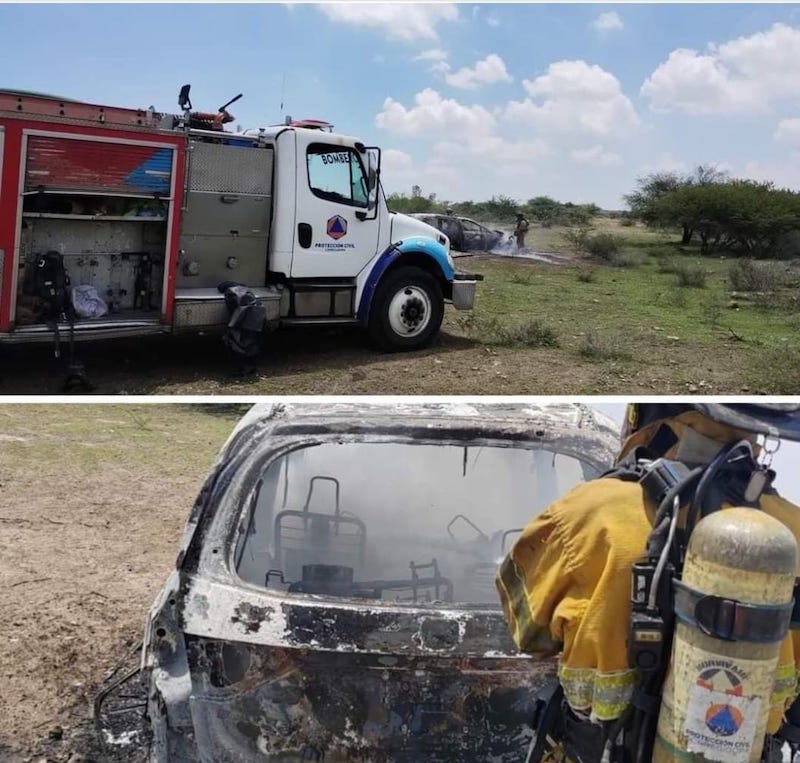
(721, 722)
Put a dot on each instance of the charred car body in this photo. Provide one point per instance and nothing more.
(334, 598)
(465, 235)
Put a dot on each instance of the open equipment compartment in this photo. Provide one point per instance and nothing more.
(104, 205)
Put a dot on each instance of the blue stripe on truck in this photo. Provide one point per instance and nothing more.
(416, 244)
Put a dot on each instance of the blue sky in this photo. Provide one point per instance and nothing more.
(573, 101)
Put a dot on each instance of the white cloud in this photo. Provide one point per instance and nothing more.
(576, 98)
(783, 175)
(395, 161)
(740, 76)
(788, 131)
(434, 174)
(697, 84)
(486, 71)
(608, 22)
(493, 21)
(433, 54)
(493, 155)
(452, 164)
(574, 78)
(596, 155)
(465, 143)
(499, 150)
(432, 114)
(666, 162)
(408, 22)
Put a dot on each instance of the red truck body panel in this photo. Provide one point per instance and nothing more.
(84, 148)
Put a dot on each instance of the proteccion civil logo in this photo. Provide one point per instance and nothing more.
(337, 227)
(721, 720)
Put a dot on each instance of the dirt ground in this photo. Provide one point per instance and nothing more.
(296, 361)
(93, 500)
(339, 361)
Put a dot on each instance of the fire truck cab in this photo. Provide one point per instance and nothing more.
(153, 216)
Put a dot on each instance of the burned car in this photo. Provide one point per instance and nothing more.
(334, 595)
(465, 235)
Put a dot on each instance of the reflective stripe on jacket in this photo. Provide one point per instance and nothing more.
(565, 588)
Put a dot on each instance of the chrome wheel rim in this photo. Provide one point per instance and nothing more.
(410, 311)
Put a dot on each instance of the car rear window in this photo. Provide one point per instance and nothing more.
(403, 522)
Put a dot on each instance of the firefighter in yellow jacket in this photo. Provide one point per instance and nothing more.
(566, 584)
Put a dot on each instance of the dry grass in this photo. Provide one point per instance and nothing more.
(95, 501)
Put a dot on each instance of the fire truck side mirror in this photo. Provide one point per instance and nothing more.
(183, 97)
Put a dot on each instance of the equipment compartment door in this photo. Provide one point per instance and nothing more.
(225, 228)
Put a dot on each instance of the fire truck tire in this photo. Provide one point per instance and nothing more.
(406, 311)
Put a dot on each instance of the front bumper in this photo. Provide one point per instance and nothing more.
(464, 286)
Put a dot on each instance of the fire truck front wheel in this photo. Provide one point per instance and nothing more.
(407, 310)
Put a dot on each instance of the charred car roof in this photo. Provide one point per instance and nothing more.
(270, 429)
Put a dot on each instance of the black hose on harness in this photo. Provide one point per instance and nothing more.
(639, 719)
(723, 457)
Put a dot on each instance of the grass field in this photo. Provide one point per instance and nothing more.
(94, 502)
(625, 319)
(582, 327)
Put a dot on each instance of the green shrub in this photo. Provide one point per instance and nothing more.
(691, 275)
(621, 260)
(787, 247)
(713, 312)
(587, 276)
(603, 246)
(759, 277)
(528, 333)
(667, 264)
(577, 238)
(775, 370)
(593, 346)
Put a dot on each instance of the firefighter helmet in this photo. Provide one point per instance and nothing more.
(776, 420)
(773, 419)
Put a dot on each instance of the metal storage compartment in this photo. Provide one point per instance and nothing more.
(226, 222)
(205, 308)
(104, 205)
